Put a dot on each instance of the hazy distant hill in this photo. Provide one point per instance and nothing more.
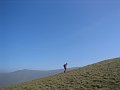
(104, 75)
(24, 75)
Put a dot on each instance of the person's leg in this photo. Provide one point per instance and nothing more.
(65, 69)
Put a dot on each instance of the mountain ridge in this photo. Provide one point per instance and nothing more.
(25, 75)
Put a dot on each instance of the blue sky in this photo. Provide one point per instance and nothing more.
(45, 34)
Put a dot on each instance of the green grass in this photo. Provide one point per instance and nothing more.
(104, 75)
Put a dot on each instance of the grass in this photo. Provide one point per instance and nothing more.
(104, 75)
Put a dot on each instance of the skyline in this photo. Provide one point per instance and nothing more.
(46, 34)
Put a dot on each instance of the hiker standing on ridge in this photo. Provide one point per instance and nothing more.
(65, 67)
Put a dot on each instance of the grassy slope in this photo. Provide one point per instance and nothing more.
(104, 75)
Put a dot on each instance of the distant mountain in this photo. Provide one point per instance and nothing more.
(103, 75)
(25, 75)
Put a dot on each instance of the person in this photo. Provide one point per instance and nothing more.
(65, 67)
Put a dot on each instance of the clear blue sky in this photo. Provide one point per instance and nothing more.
(45, 34)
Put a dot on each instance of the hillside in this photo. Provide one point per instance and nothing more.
(103, 75)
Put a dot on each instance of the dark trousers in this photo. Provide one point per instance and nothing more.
(65, 69)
